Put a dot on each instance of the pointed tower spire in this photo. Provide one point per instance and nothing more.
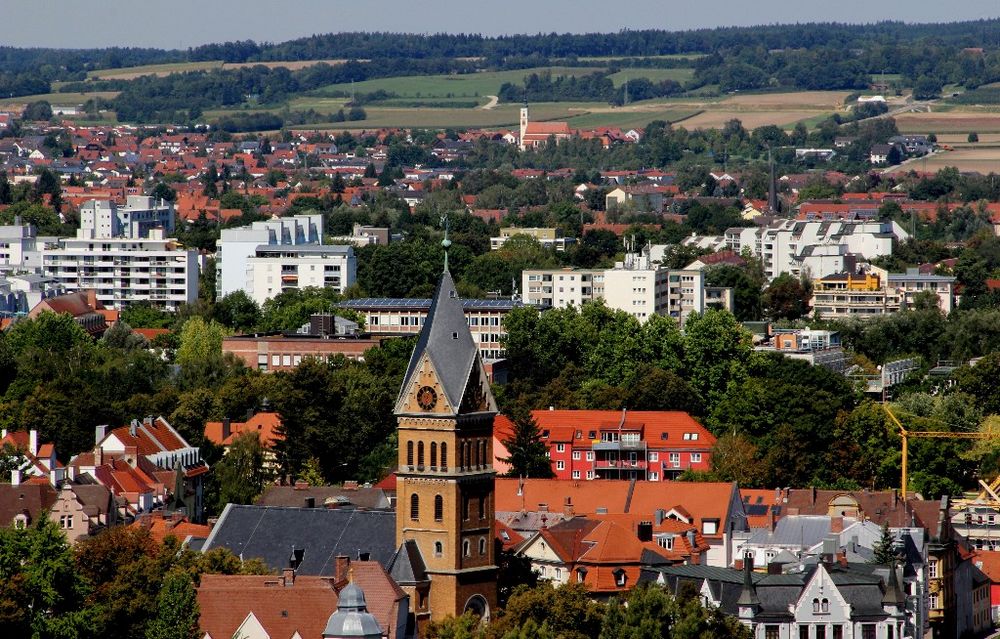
(893, 594)
(445, 242)
(748, 596)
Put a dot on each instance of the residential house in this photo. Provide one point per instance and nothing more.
(605, 444)
(291, 605)
(22, 504)
(547, 237)
(34, 459)
(87, 310)
(606, 553)
(83, 510)
(265, 424)
(640, 197)
(715, 509)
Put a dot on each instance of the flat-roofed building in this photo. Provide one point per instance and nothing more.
(878, 292)
(547, 237)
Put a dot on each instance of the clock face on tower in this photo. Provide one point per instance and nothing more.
(427, 398)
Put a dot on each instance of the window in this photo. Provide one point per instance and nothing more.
(560, 465)
(481, 458)
(590, 474)
(482, 507)
(414, 507)
(438, 508)
(838, 631)
(444, 456)
(482, 546)
(576, 474)
(932, 568)
(409, 453)
(581, 575)
(709, 527)
(666, 542)
(934, 601)
(804, 632)
(771, 632)
(420, 455)
(466, 548)
(576, 455)
(560, 448)
(465, 508)
(825, 606)
(590, 455)
(821, 632)
(434, 455)
(654, 457)
(620, 577)
(559, 574)
(867, 631)
(438, 549)
(695, 458)
(654, 476)
(675, 460)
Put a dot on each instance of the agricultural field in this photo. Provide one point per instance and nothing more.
(60, 98)
(504, 116)
(955, 121)
(131, 73)
(465, 85)
(985, 159)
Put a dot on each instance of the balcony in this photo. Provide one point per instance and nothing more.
(620, 464)
(620, 445)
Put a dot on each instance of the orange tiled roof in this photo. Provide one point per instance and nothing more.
(264, 424)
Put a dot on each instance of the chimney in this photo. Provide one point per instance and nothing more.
(91, 297)
(660, 516)
(288, 577)
(33, 441)
(342, 564)
(310, 502)
(836, 524)
(645, 531)
(3, 433)
(300, 484)
(568, 507)
(147, 421)
(133, 427)
(812, 492)
(351, 485)
(691, 539)
(100, 433)
(895, 497)
(543, 508)
(829, 550)
(227, 429)
(771, 519)
(15, 477)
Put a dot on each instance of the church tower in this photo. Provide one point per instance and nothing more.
(444, 486)
(524, 123)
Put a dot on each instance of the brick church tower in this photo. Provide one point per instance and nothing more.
(444, 486)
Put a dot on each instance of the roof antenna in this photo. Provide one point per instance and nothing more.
(445, 242)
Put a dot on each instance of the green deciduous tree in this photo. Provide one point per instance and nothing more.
(176, 609)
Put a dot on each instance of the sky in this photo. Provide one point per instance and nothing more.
(184, 23)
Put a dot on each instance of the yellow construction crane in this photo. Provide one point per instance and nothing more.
(905, 435)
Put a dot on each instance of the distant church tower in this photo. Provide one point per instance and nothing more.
(524, 123)
(444, 485)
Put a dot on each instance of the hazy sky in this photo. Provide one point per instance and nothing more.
(183, 23)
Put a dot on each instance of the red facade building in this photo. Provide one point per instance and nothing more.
(606, 444)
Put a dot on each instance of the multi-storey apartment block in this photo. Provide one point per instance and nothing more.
(878, 292)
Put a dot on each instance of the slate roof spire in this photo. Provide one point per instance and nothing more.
(893, 595)
(748, 596)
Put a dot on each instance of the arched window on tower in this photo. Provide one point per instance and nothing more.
(409, 453)
(465, 455)
(420, 455)
(466, 548)
(434, 455)
(475, 454)
(482, 546)
(438, 507)
(414, 507)
(444, 456)
(482, 454)
(482, 507)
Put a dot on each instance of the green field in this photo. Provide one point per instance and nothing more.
(654, 75)
(61, 98)
(466, 85)
(670, 56)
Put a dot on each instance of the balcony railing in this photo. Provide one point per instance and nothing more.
(620, 445)
(623, 464)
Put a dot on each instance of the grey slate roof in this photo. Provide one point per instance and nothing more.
(407, 564)
(446, 339)
(270, 533)
(801, 530)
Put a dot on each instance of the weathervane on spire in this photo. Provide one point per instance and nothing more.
(445, 242)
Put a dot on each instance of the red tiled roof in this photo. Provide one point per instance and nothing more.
(264, 424)
(161, 527)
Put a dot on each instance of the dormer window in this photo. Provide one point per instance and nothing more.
(620, 577)
(665, 541)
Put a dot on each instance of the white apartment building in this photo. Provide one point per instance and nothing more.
(277, 268)
(140, 215)
(878, 292)
(790, 246)
(238, 245)
(547, 237)
(126, 270)
(18, 248)
(636, 285)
